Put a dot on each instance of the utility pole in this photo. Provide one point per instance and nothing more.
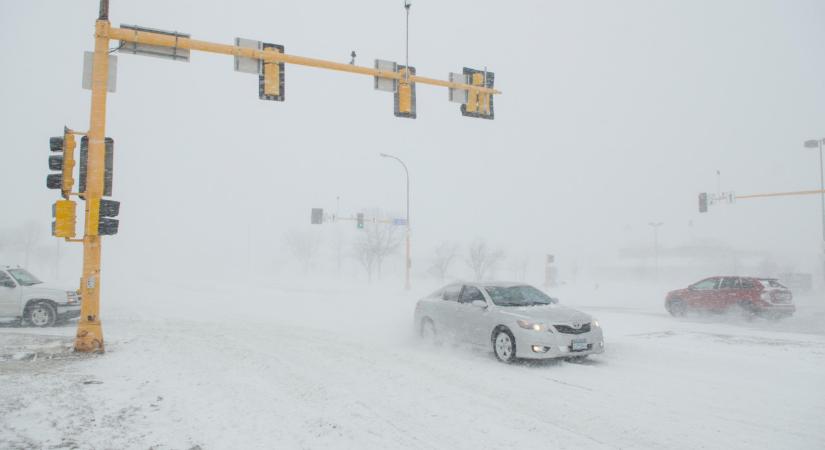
(407, 5)
(814, 143)
(408, 261)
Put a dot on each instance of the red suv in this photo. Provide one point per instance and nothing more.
(753, 296)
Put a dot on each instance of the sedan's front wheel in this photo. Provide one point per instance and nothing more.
(504, 345)
(428, 333)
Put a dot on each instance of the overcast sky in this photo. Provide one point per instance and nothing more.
(613, 114)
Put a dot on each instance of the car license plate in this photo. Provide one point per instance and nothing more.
(578, 344)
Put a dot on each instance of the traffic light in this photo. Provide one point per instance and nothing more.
(317, 216)
(703, 202)
(100, 213)
(108, 165)
(271, 78)
(360, 221)
(65, 218)
(64, 163)
(479, 104)
(404, 97)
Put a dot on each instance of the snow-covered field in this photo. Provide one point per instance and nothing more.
(221, 367)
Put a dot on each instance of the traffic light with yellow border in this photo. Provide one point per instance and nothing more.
(404, 98)
(63, 163)
(100, 222)
(271, 79)
(65, 218)
(108, 165)
(479, 104)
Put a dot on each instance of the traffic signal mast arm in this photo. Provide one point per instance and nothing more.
(171, 41)
(706, 199)
(364, 219)
(780, 194)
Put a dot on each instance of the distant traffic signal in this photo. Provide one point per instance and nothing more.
(271, 78)
(317, 216)
(64, 163)
(65, 218)
(703, 202)
(108, 165)
(359, 222)
(479, 104)
(100, 221)
(404, 98)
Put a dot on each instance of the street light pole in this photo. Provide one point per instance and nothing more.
(407, 5)
(408, 261)
(656, 226)
(814, 143)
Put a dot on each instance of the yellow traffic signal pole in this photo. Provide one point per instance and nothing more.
(89, 332)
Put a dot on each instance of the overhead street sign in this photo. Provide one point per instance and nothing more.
(248, 65)
(458, 95)
(174, 53)
(386, 84)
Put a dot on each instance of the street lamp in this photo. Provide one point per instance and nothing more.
(817, 143)
(408, 261)
(656, 226)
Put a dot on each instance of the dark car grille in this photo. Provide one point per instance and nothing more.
(567, 329)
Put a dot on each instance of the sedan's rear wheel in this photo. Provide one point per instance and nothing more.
(504, 345)
(743, 310)
(41, 314)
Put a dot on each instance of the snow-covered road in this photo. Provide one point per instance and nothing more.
(341, 368)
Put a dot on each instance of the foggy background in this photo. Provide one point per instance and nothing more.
(613, 115)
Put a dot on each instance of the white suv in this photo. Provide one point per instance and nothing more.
(26, 299)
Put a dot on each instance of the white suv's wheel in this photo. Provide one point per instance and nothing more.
(41, 314)
(504, 346)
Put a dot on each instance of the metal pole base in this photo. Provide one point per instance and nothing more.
(89, 338)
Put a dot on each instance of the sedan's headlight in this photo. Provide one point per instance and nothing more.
(528, 325)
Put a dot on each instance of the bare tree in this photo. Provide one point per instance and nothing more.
(444, 256)
(482, 260)
(375, 243)
(304, 246)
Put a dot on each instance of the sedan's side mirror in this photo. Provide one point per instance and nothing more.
(554, 300)
(479, 303)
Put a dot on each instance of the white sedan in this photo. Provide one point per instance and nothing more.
(515, 319)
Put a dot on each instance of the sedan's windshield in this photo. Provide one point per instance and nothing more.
(517, 296)
(23, 277)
